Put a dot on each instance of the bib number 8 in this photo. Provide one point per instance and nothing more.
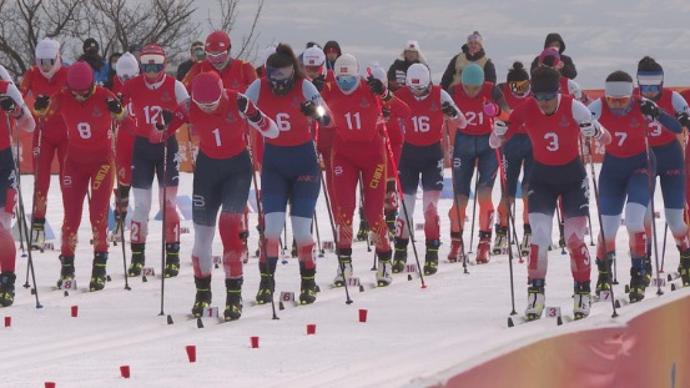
(553, 144)
(84, 130)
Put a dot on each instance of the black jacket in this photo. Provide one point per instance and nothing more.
(397, 72)
(489, 68)
(183, 69)
(568, 69)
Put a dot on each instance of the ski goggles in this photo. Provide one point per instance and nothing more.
(650, 89)
(519, 87)
(152, 67)
(545, 96)
(217, 57)
(46, 61)
(207, 106)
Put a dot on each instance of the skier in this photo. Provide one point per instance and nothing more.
(670, 166)
(148, 95)
(290, 170)
(13, 110)
(480, 101)
(554, 123)
(517, 155)
(359, 149)
(126, 68)
(624, 172)
(423, 155)
(88, 111)
(222, 177)
(43, 80)
(397, 118)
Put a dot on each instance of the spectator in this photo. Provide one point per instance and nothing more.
(112, 60)
(92, 56)
(398, 70)
(554, 40)
(472, 52)
(332, 51)
(197, 54)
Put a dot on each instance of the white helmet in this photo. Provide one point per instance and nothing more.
(127, 66)
(313, 56)
(379, 73)
(346, 64)
(48, 50)
(418, 79)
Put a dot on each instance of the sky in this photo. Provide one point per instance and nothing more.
(601, 36)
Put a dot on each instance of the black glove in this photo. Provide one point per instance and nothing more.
(242, 103)
(41, 103)
(376, 86)
(386, 112)
(649, 109)
(684, 119)
(448, 109)
(114, 105)
(7, 104)
(308, 108)
(319, 82)
(167, 117)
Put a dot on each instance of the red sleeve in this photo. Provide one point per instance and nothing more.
(516, 120)
(402, 113)
(249, 74)
(27, 79)
(194, 70)
(180, 117)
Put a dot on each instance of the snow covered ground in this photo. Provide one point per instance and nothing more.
(411, 333)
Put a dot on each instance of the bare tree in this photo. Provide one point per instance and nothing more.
(122, 24)
(228, 17)
(23, 22)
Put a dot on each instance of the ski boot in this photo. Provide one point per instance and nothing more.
(38, 234)
(233, 299)
(363, 232)
(400, 255)
(535, 300)
(431, 257)
(483, 247)
(526, 241)
(684, 267)
(267, 284)
(582, 300)
(66, 270)
(100, 260)
(138, 259)
(307, 294)
(202, 300)
(7, 288)
(456, 252)
(604, 280)
(501, 241)
(383, 274)
(648, 271)
(637, 281)
(172, 259)
(344, 266)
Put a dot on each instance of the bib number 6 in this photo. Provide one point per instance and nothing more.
(553, 144)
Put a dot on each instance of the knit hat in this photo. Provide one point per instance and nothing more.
(550, 57)
(475, 37)
(545, 80)
(472, 75)
(517, 73)
(649, 72)
(412, 45)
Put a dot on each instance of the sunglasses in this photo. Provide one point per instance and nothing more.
(650, 88)
(152, 67)
(46, 61)
(545, 96)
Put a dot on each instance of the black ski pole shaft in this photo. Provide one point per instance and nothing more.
(17, 173)
(408, 222)
(663, 249)
(163, 186)
(456, 204)
(650, 181)
(504, 190)
(318, 235)
(262, 220)
(474, 209)
(601, 225)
